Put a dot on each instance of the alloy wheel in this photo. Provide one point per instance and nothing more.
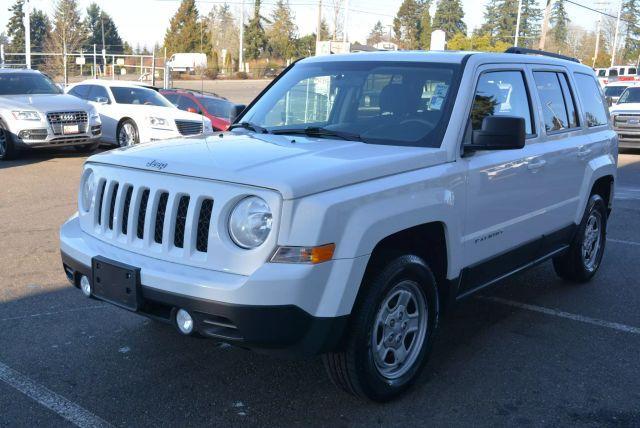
(591, 241)
(127, 135)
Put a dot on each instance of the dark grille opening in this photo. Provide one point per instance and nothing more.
(189, 127)
(181, 220)
(202, 239)
(125, 210)
(100, 198)
(143, 213)
(113, 205)
(162, 208)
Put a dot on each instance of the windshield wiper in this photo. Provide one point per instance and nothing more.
(316, 131)
(250, 126)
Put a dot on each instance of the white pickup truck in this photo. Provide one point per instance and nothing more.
(351, 202)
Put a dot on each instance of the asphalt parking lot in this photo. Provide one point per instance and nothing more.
(532, 351)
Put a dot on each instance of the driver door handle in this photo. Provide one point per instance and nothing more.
(583, 152)
(536, 164)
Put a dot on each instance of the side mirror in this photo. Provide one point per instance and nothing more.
(609, 101)
(499, 133)
(236, 110)
(102, 100)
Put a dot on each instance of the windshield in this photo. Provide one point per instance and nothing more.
(630, 95)
(217, 108)
(144, 96)
(393, 103)
(613, 91)
(26, 83)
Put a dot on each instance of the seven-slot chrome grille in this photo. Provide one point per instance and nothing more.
(189, 127)
(58, 120)
(171, 217)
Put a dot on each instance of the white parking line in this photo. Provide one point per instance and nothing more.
(627, 193)
(72, 412)
(44, 314)
(558, 313)
(622, 241)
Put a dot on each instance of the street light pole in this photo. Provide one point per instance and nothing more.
(241, 48)
(515, 42)
(26, 9)
(346, 21)
(615, 38)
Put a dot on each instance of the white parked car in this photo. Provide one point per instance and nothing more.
(133, 114)
(626, 118)
(351, 203)
(35, 113)
(612, 91)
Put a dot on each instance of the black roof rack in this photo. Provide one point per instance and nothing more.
(525, 51)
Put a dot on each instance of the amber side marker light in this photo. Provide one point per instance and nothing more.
(309, 255)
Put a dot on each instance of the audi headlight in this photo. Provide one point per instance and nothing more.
(159, 122)
(26, 115)
(250, 222)
(87, 190)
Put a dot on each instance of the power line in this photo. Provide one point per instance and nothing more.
(598, 11)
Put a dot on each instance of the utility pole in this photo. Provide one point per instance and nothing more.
(595, 55)
(515, 42)
(26, 9)
(319, 22)
(94, 62)
(104, 50)
(545, 24)
(241, 48)
(615, 38)
(346, 21)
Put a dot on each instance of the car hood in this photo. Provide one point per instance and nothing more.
(626, 107)
(295, 167)
(44, 102)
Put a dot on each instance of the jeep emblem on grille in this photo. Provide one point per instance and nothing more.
(157, 165)
(67, 116)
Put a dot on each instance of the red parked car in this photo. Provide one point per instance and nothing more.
(215, 107)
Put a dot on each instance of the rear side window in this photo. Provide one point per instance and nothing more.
(80, 91)
(593, 104)
(501, 93)
(558, 107)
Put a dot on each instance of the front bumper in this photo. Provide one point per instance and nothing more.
(37, 134)
(271, 311)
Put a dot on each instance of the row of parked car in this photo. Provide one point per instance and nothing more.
(35, 112)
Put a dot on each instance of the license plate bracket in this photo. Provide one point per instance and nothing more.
(116, 283)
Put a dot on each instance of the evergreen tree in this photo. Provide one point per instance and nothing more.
(223, 31)
(255, 40)
(449, 18)
(305, 46)
(491, 15)
(559, 21)
(425, 26)
(406, 24)
(376, 35)
(67, 34)
(40, 29)
(630, 14)
(97, 20)
(186, 30)
(324, 30)
(281, 35)
(530, 18)
(15, 27)
(507, 18)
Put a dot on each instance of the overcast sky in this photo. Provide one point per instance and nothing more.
(145, 21)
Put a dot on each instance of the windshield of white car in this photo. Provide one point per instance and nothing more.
(27, 83)
(141, 96)
(380, 102)
(613, 91)
(630, 95)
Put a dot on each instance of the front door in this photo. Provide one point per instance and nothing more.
(501, 201)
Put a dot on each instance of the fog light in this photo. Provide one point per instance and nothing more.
(85, 286)
(184, 321)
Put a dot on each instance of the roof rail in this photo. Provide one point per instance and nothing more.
(525, 51)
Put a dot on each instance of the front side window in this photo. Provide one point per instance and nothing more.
(80, 91)
(377, 102)
(593, 103)
(26, 84)
(138, 96)
(98, 94)
(501, 93)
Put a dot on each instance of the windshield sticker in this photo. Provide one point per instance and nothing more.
(441, 90)
(436, 103)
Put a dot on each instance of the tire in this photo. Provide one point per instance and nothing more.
(579, 266)
(7, 147)
(378, 313)
(87, 148)
(127, 133)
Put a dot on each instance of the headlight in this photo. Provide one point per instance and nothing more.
(250, 222)
(26, 115)
(159, 122)
(88, 189)
(95, 115)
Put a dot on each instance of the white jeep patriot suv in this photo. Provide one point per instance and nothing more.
(354, 199)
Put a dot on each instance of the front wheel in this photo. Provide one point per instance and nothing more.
(127, 133)
(391, 332)
(582, 260)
